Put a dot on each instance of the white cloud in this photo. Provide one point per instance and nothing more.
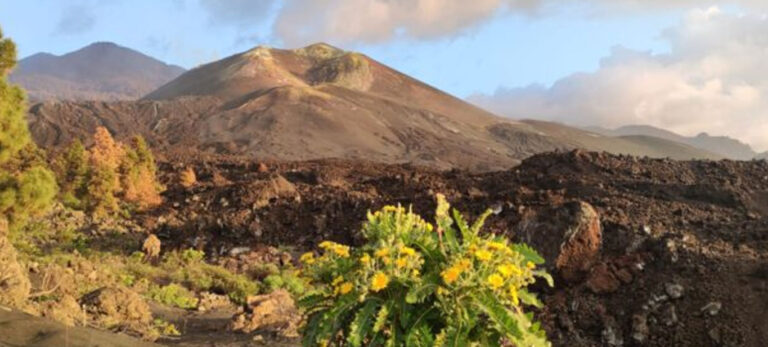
(299, 22)
(715, 80)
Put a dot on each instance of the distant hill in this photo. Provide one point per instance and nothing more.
(319, 102)
(722, 145)
(100, 71)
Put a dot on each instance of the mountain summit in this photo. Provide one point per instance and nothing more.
(100, 71)
(324, 102)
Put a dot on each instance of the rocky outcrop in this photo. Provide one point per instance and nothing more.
(576, 226)
(14, 280)
(274, 312)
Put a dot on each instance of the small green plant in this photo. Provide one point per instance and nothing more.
(286, 279)
(415, 284)
(173, 295)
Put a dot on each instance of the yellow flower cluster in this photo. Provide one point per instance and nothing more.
(339, 250)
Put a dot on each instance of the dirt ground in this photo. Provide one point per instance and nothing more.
(683, 259)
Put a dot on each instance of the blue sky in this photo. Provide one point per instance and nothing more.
(506, 50)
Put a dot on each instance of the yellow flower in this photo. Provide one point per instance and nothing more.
(326, 244)
(408, 251)
(507, 270)
(345, 288)
(464, 264)
(342, 251)
(365, 259)
(441, 291)
(496, 245)
(415, 273)
(337, 280)
(401, 262)
(386, 260)
(380, 281)
(451, 274)
(381, 252)
(513, 296)
(307, 258)
(483, 255)
(530, 265)
(429, 227)
(495, 281)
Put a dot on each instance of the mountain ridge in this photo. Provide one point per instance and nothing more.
(320, 101)
(99, 71)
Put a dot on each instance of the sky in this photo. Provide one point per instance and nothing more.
(689, 66)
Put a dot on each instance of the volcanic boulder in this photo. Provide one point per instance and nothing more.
(14, 283)
(568, 236)
(274, 312)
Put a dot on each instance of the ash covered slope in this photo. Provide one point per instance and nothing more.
(100, 71)
(323, 102)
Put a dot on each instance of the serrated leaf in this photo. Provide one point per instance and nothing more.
(529, 298)
(497, 313)
(362, 325)
(381, 319)
(480, 221)
(528, 253)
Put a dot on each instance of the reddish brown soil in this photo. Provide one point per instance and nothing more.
(701, 225)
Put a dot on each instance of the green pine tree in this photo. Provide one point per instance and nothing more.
(72, 172)
(26, 185)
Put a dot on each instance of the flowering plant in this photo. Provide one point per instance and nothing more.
(415, 284)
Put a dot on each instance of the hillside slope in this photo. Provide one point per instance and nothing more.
(319, 102)
(100, 71)
(722, 145)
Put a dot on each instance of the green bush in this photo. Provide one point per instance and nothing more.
(174, 295)
(413, 284)
(285, 280)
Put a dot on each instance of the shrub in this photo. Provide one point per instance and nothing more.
(187, 178)
(413, 284)
(174, 295)
(138, 176)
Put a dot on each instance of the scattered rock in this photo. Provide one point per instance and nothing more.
(210, 301)
(602, 280)
(712, 308)
(261, 192)
(669, 316)
(262, 168)
(118, 308)
(274, 312)
(640, 328)
(675, 291)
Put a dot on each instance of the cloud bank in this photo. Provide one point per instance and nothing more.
(299, 22)
(715, 79)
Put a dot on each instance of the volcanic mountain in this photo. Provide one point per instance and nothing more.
(722, 145)
(100, 71)
(320, 101)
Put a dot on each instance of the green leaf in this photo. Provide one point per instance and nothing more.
(529, 298)
(528, 253)
(362, 325)
(497, 313)
(462, 225)
(452, 337)
(420, 336)
(480, 221)
(547, 277)
(381, 318)
(421, 291)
